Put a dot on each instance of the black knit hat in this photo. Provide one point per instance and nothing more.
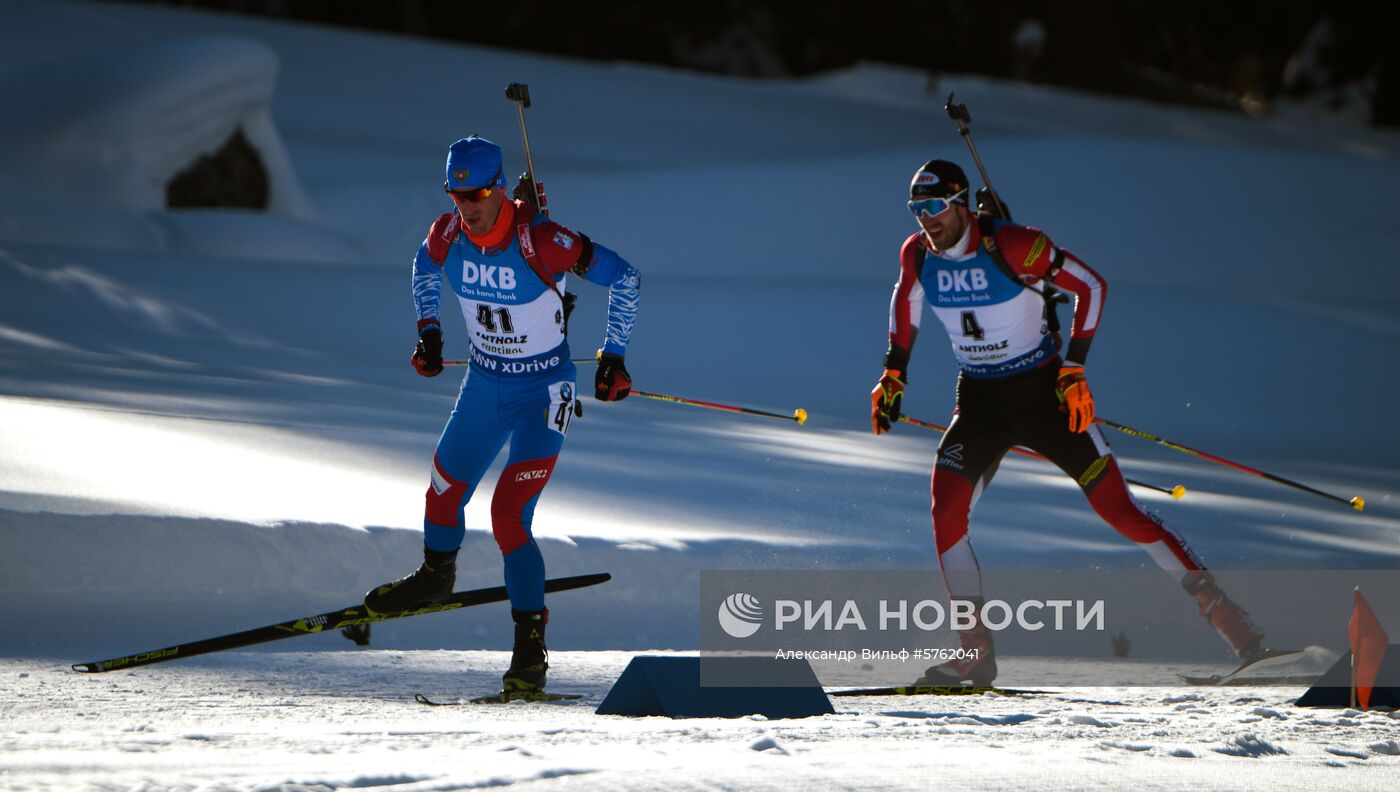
(939, 179)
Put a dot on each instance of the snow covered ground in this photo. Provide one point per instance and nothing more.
(347, 720)
(207, 421)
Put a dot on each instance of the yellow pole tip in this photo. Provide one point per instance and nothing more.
(800, 415)
(1178, 492)
(1358, 503)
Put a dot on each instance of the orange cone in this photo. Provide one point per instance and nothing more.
(1368, 643)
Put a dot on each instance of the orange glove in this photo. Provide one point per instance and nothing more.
(1075, 398)
(885, 400)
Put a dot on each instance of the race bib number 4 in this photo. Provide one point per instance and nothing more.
(563, 402)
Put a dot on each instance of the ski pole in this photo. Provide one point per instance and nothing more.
(1177, 492)
(468, 362)
(799, 415)
(520, 94)
(960, 116)
(1358, 503)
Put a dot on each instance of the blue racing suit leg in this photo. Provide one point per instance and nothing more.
(474, 434)
(540, 412)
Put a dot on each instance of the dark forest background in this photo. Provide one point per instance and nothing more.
(1238, 55)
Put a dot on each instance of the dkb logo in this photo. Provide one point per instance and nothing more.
(740, 615)
(488, 275)
(974, 279)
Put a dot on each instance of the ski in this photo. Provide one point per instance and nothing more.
(936, 690)
(499, 698)
(1269, 658)
(1251, 681)
(337, 619)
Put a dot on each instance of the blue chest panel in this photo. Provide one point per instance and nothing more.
(515, 320)
(503, 278)
(978, 281)
(996, 324)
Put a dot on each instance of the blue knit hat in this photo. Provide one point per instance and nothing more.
(474, 162)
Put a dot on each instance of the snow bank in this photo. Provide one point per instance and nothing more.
(115, 126)
(98, 136)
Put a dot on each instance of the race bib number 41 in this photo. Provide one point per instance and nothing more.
(563, 402)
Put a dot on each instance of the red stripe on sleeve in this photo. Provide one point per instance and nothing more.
(904, 317)
(1090, 291)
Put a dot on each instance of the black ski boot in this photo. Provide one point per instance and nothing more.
(528, 666)
(429, 585)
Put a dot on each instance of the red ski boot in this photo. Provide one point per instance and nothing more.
(975, 665)
(1230, 620)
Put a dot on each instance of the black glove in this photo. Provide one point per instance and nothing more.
(612, 382)
(427, 355)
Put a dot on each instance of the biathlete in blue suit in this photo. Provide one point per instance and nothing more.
(506, 264)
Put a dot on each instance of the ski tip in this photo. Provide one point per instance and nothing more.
(1264, 659)
(87, 668)
(596, 577)
(422, 699)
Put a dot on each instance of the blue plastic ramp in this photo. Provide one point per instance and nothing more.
(671, 686)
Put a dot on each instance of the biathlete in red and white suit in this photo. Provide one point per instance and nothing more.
(506, 266)
(985, 281)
